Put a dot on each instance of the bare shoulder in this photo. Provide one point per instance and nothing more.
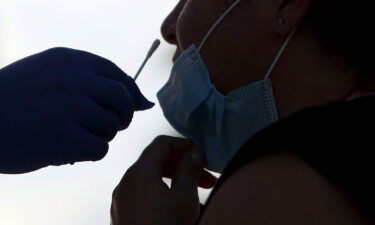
(279, 189)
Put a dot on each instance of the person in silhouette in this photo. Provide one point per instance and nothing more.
(277, 96)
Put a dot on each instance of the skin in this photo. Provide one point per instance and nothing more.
(278, 188)
(281, 189)
(249, 39)
(142, 197)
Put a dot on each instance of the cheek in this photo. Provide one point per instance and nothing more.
(235, 47)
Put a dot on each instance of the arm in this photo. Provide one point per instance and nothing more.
(279, 189)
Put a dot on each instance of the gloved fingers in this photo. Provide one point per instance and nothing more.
(111, 95)
(140, 102)
(106, 68)
(86, 146)
(98, 120)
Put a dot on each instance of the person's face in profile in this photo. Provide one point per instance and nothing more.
(240, 49)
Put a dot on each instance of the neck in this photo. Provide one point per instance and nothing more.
(308, 77)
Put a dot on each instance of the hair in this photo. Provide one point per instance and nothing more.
(345, 27)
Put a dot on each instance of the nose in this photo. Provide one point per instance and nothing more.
(168, 31)
(168, 28)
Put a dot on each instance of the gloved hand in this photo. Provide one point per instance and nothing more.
(62, 106)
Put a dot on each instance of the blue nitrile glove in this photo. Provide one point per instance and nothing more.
(62, 106)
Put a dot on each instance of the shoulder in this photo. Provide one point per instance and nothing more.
(280, 188)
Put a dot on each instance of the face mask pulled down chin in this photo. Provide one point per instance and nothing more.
(219, 124)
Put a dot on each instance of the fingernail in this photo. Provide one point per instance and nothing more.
(197, 156)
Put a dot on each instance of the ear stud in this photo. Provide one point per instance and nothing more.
(280, 21)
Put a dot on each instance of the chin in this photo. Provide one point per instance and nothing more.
(176, 55)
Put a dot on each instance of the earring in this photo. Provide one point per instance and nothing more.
(280, 21)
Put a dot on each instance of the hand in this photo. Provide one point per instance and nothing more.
(142, 198)
(62, 106)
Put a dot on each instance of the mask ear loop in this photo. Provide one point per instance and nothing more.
(277, 58)
(217, 24)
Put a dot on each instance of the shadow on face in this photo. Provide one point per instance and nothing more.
(330, 47)
(241, 47)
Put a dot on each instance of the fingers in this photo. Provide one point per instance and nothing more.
(140, 102)
(111, 95)
(111, 71)
(99, 121)
(171, 157)
(206, 180)
(162, 150)
(164, 147)
(114, 208)
(188, 171)
(87, 146)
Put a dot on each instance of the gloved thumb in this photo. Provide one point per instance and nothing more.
(140, 101)
(189, 170)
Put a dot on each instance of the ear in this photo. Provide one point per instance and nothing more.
(290, 14)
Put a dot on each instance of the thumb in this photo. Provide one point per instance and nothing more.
(140, 101)
(189, 170)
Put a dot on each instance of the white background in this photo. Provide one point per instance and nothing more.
(120, 30)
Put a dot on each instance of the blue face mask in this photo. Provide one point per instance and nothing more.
(220, 124)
